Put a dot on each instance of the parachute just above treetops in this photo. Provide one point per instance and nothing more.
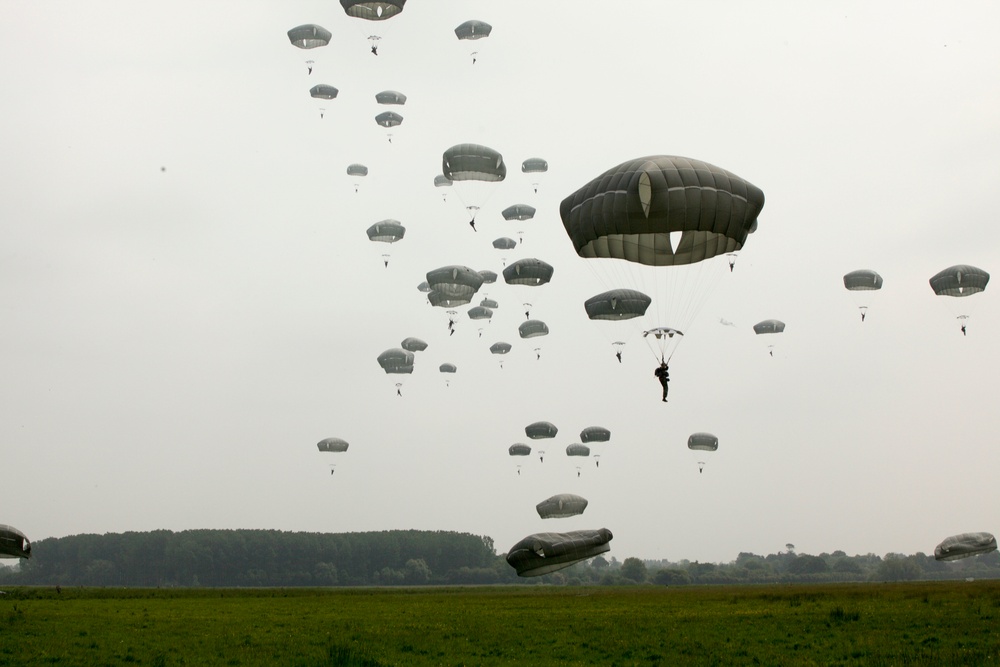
(965, 545)
(455, 284)
(332, 445)
(472, 168)
(390, 97)
(533, 329)
(576, 449)
(543, 553)
(655, 221)
(595, 434)
(861, 284)
(540, 430)
(309, 36)
(412, 344)
(519, 449)
(396, 360)
(13, 543)
(561, 505)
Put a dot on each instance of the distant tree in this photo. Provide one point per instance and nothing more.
(416, 572)
(806, 564)
(599, 563)
(897, 567)
(671, 577)
(634, 569)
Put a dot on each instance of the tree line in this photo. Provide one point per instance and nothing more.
(248, 558)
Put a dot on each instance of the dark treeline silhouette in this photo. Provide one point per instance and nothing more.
(239, 558)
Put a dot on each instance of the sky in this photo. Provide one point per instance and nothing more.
(190, 302)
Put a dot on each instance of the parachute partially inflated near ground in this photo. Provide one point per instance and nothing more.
(561, 505)
(543, 553)
(13, 543)
(655, 222)
(965, 545)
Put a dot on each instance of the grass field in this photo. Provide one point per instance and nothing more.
(941, 623)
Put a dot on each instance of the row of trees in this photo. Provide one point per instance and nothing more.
(414, 558)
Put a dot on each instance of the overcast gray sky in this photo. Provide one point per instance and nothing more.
(174, 343)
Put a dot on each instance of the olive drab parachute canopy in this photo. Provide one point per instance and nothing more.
(500, 348)
(473, 30)
(703, 442)
(473, 169)
(595, 434)
(769, 327)
(357, 171)
(323, 92)
(533, 329)
(654, 222)
(489, 303)
(489, 277)
(519, 212)
(861, 284)
(390, 97)
(309, 36)
(13, 543)
(617, 304)
(965, 545)
(504, 243)
(519, 449)
(332, 445)
(480, 313)
(412, 344)
(424, 287)
(561, 505)
(456, 284)
(540, 430)
(960, 281)
(389, 120)
(577, 449)
(378, 10)
(529, 271)
(447, 369)
(396, 361)
(386, 231)
(535, 166)
(442, 181)
(543, 553)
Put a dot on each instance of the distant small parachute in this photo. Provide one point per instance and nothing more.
(529, 271)
(357, 171)
(961, 280)
(577, 449)
(540, 430)
(332, 445)
(13, 543)
(448, 369)
(532, 329)
(617, 304)
(473, 30)
(543, 553)
(519, 449)
(965, 545)
(489, 303)
(480, 313)
(386, 231)
(424, 287)
(518, 212)
(412, 344)
(378, 10)
(390, 97)
(766, 327)
(504, 243)
(442, 181)
(456, 284)
(704, 442)
(389, 120)
(396, 360)
(595, 434)
(309, 36)
(323, 92)
(535, 166)
(473, 169)
(561, 505)
(489, 277)
(500, 349)
(861, 284)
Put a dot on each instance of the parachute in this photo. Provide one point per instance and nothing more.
(654, 223)
(519, 449)
(489, 303)
(480, 313)
(332, 445)
(539, 430)
(960, 281)
(396, 361)
(543, 553)
(309, 36)
(473, 168)
(455, 284)
(965, 545)
(13, 543)
(412, 344)
(500, 349)
(561, 505)
(769, 327)
(442, 181)
(504, 243)
(323, 92)
(386, 231)
(390, 97)
(595, 434)
(861, 284)
(535, 166)
(389, 120)
(533, 328)
(424, 287)
(617, 304)
(357, 171)
(489, 277)
(577, 449)
(518, 212)
(448, 369)
(373, 10)
(530, 272)
(705, 442)
(473, 30)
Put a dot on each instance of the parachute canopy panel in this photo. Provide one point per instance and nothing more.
(965, 545)
(543, 553)
(630, 211)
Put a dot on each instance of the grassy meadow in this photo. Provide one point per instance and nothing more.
(937, 623)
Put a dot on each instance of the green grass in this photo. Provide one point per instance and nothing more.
(940, 623)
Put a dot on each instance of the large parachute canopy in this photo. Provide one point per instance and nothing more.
(455, 283)
(309, 36)
(576, 449)
(390, 97)
(543, 553)
(532, 329)
(396, 360)
(413, 344)
(595, 434)
(539, 430)
(332, 445)
(13, 543)
(960, 280)
(529, 271)
(861, 284)
(654, 223)
(617, 304)
(519, 449)
(379, 10)
(965, 545)
(561, 505)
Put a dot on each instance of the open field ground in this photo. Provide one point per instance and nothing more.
(940, 623)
